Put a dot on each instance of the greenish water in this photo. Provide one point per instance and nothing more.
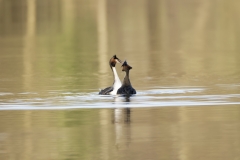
(186, 71)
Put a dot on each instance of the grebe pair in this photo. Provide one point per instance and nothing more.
(118, 87)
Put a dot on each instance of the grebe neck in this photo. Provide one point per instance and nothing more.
(126, 80)
(116, 78)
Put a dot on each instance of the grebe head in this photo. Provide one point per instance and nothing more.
(125, 66)
(114, 60)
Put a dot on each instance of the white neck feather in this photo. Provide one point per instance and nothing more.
(116, 78)
(117, 83)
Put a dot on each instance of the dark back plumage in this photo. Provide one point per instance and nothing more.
(106, 91)
(127, 90)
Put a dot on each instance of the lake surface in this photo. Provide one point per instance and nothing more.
(186, 71)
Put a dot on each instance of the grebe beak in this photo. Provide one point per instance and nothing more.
(118, 61)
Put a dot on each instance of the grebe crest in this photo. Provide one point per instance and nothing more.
(117, 83)
(126, 87)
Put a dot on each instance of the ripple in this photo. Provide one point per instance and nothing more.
(170, 91)
(161, 97)
(5, 93)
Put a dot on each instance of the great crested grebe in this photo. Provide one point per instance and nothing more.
(117, 83)
(126, 87)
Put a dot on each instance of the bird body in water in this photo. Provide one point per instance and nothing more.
(126, 87)
(117, 83)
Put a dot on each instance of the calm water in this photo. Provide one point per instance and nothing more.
(186, 71)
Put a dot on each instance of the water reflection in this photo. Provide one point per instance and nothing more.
(121, 118)
(122, 115)
(66, 44)
(172, 132)
(54, 57)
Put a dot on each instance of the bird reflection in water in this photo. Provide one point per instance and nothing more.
(121, 119)
(122, 114)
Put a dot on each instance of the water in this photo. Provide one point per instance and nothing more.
(186, 71)
(153, 97)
